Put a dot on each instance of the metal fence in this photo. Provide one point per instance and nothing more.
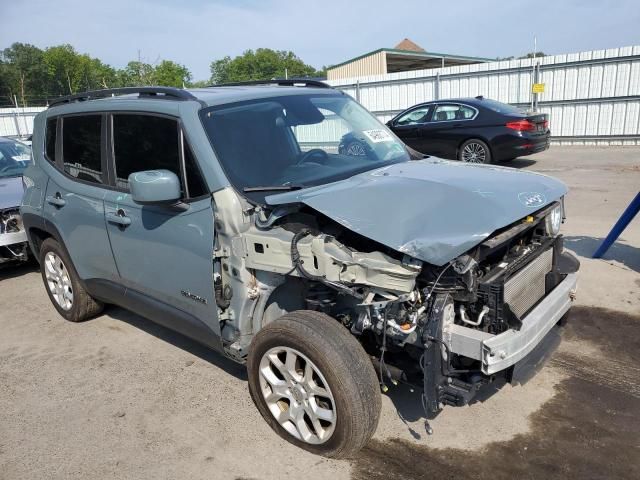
(17, 122)
(591, 97)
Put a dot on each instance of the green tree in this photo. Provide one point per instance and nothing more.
(23, 72)
(171, 74)
(261, 64)
(137, 74)
(64, 70)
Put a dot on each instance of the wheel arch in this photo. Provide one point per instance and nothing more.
(38, 230)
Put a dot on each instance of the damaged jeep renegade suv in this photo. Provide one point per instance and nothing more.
(231, 214)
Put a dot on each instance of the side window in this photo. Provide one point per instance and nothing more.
(144, 142)
(419, 115)
(81, 147)
(445, 113)
(195, 182)
(50, 139)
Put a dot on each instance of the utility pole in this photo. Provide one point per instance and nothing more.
(533, 72)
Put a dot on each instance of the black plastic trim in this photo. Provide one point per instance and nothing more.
(168, 93)
(289, 82)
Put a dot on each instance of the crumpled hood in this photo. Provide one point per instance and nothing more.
(431, 209)
(11, 191)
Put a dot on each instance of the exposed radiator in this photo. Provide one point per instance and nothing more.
(526, 287)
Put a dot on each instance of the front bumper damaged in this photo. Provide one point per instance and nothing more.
(13, 238)
(498, 352)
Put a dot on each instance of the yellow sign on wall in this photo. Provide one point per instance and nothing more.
(538, 88)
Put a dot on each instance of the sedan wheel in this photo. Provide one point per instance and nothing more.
(297, 394)
(474, 152)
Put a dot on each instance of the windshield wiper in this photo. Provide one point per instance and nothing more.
(273, 188)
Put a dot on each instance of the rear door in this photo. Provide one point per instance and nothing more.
(164, 254)
(408, 127)
(448, 128)
(73, 199)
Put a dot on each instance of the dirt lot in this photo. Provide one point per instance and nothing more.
(118, 397)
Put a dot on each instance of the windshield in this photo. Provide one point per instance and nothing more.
(298, 141)
(14, 158)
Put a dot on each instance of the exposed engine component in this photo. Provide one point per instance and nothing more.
(10, 221)
(13, 244)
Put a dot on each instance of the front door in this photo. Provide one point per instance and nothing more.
(409, 125)
(164, 254)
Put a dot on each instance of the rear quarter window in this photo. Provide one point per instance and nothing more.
(50, 140)
(81, 147)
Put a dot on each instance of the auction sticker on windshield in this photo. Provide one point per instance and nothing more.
(377, 136)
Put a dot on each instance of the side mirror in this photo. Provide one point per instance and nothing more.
(155, 187)
(389, 123)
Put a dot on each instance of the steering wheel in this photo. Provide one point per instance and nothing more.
(314, 152)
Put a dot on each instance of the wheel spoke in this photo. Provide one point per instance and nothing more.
(322, 413)
(297, 414)
(290, 364)
(315, 421)
(276, 362)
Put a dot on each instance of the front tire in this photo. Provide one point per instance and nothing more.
(314, 384)
(474, 151)
(63, 285)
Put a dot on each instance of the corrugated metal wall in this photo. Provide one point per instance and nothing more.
(375, 63)
(592, 97)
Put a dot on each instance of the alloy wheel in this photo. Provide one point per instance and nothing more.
(58, 280)
(297, 395)
(474, 153)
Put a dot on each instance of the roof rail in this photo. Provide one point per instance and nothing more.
(288, 82)
(169, 93)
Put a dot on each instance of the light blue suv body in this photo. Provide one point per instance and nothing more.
(222, 213)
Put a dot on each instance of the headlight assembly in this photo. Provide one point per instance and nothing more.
(553, 221)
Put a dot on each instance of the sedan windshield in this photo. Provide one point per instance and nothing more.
(280, 143)
(14, 158)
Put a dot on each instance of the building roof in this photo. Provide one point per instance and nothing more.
(397, 58)
(407, 44)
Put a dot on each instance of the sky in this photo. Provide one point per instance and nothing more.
(196, 32)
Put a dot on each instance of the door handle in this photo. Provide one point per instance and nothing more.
(56, 200)
(119, 218)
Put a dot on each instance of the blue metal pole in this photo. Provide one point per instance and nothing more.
(618, 228)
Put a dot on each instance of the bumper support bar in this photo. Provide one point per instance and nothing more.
(497, 352)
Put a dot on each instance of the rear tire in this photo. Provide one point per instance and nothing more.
(329, 373)
(475, 151)
(63, 284)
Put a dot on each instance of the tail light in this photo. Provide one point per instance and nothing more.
(522, 126)
(545, 124)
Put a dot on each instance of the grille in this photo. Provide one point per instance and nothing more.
(526, 287)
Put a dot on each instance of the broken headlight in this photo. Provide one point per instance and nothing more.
(553, 220)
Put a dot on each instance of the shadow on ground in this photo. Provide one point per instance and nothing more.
(520, 163)
(620, 252)
(178, 340)
(590, 429)
(13, 270)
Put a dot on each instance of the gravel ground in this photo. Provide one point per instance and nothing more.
(119, 397)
